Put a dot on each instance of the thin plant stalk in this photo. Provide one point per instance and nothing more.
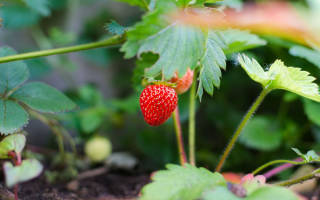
(53, 126)
(314, 174)
(115, 40)
(16, 158)
(243, 123)
(192, 121)
(178, 130)
(259, 169)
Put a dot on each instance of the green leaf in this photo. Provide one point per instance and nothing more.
(15, 16)
(178, 46)
(115, 28)
(310, 156)
(237, 40)
(181, 182)
(211, 62)
(12, 74)
(262, 133)
(221, 193)
(272, 192)
(40, 6)
(151, 23)
(14, 142)
(12, 117)
(141, 3)
(28, 170)
(312, 110)
(38, 67)
(43, 98)
(282, 77)
(312, 56)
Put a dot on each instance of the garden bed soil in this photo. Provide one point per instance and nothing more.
(109, 186)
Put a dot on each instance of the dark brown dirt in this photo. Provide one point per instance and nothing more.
(109, 186)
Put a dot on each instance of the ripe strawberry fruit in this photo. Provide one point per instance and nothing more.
(183, 83)
(157, 102)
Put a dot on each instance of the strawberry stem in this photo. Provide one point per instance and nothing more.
(192, 121)
(243, 123)
(177, 126)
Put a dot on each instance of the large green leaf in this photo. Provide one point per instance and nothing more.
(151, 23)
(40, 6)
(211, 62)
(220, 193)
(272, 192)
(44, 98)
(178, 46)
(181, 182)
(28, 170)
(12, 116)
(282, 77)
(16, 16)
(312, 109)
(14, 142)
(262, 133)
(12, 74)
(140, 3)
(310, 55)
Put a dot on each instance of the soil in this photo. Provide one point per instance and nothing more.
(109, 186)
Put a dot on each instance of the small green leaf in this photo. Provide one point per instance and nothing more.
(262, 133)
(12, 117)
(181, 182)
(12, 74)
(312, 109)
(28, 170)
(220, 193)
(312, 56)
(237, 40)
(310, 156)
(282, 77)
(43, 98)
(178, 46)
(115, 28)
(14, 142)
(272, 192)
(40, 6)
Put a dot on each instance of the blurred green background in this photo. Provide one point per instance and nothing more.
(100, 82)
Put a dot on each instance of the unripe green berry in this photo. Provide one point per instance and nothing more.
(98, 149)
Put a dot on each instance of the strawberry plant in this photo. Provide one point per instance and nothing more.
(182, 48)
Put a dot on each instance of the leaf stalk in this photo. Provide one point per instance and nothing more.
(115, 40)
(242, 125)
(177, 126)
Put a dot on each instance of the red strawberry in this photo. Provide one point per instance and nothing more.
(183, 83)
(157, 102)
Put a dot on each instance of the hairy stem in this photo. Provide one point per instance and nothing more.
(243, 123)
(192, 121)
(177, 126)
(104, 43)
(314, 174)
(276, 162)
